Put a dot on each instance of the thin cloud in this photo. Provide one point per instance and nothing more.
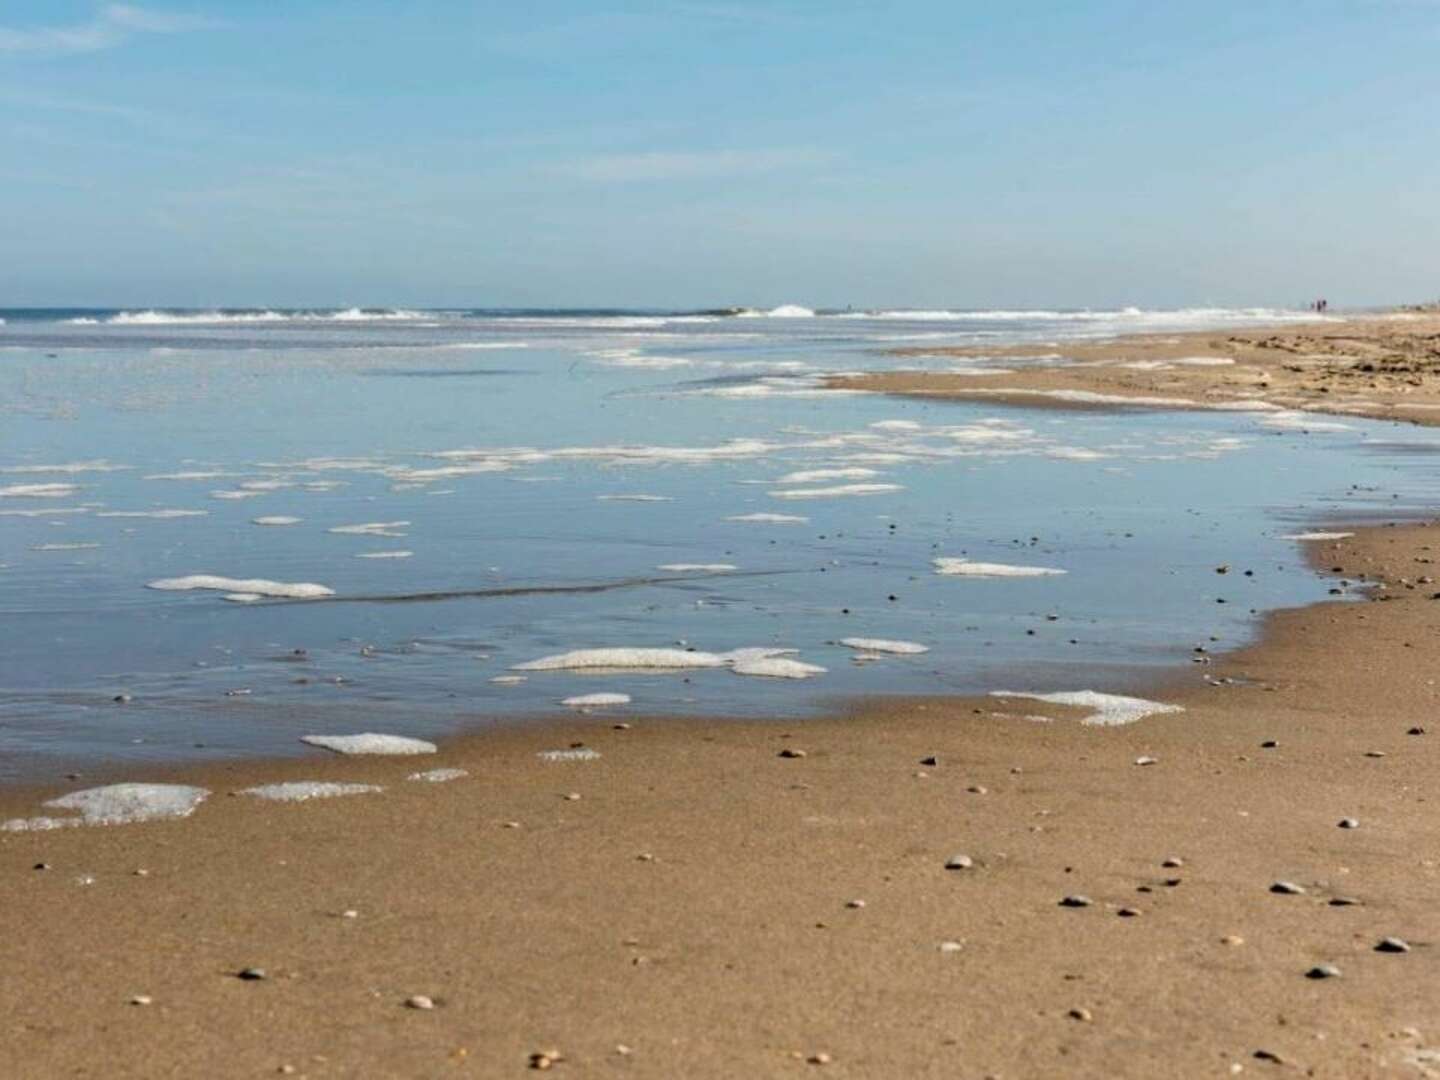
(112, 25)
(660, 165)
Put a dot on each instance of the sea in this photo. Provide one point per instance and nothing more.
(223, 529)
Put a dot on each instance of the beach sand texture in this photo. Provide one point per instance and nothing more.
(1381, 366)
(695, 903)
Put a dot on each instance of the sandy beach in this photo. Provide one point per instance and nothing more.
(696, 903)
(1379, 366)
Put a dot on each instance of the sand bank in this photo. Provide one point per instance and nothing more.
(1383, 366)
(692, 903)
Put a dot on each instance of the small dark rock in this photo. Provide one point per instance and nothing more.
(1392, 945)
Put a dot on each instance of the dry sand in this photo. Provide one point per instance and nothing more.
(1384, 366)
(691, 914)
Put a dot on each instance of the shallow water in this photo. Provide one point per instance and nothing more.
(574, 481)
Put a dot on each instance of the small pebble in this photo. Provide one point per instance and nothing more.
(978, 789)
(122, 699)
(822, 1058)
(1147, 761)
(545, 1059)
(141, 999)
(572, 796)
(41, 866)
(789, 753)
(855, 904)
(1270, 1056)
(1323, 971)
(959, 862)
(1392, 945)
(1172, 862)
(1232, 939)
(1076, 900)
(1287, 888)
(1081, 1014)
(142, 872)
(419, 1001)
(251, 974)
(1343, 901)
(1349, 823)
(951, 946)
(1128, 913)
(1270, 744)
(1415, 731)
(931, 760)
(1374, 753)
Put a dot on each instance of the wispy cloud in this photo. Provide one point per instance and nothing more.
(659, 165)
(112, 25)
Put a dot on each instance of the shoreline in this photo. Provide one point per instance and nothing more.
(697, 905)
(1376, 366)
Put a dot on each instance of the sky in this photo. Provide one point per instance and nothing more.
(682, 153)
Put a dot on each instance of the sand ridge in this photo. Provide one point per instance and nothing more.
(1382, 366)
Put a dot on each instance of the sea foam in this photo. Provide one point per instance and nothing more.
(1107, 710)
(968, 568)
(301, 590)
(116, 804)
(370, 743)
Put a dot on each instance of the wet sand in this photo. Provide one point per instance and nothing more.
(707, 907)
(1383, 366)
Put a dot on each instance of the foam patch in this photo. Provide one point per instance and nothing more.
(300, 590)
(305, 790)
(1317, 536)
(371, 528)
(37, 491)
(275, 520)
(587, 701)
(439, 776)
(837, 491)
(116, 804)
(619, 658)
(1108, 710)
(159, 515)
(881, 645)
(370, 743)
(770, 519)
(582, 753)
(969, 568)
(774, 667)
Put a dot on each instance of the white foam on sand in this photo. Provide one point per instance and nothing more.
(301, 590)
(1108, 710)
(881, 645)
(38, 491)
(814, 476)
(967, 568)
(305, 790)
(371, 528)
(159, 515)
(370, 743)
(579, 753)
(439, 776)
(837, 491)
(897, 425)
(587, 701)
(385, 555)
(116, 804)
(1317, 536)
(776, 667)
(770, 519)
(275, 519)
(698, 568)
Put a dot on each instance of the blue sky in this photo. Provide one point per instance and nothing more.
(688, 152)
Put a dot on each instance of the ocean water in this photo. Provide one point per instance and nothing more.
(461, 493)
